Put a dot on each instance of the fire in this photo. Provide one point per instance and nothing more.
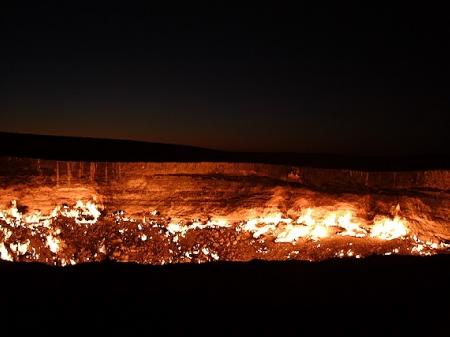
(20, 248)
(318, 226)
(292, 233)
(176, 228)
(262, 225)
(389, 229)
(307, 218)
(319, 232)
(4, 253)
(12, 216)
(53, 243)
(350, 228)
(307, 226)
(312, 223)
(83, 213)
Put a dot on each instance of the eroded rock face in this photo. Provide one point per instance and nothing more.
(68, 172)
(237, 192)
(197, 189)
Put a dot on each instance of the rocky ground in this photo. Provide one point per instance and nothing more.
(119, 238)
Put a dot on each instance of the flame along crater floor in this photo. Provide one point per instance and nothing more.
(84, 232)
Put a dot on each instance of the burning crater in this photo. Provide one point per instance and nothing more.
(64, 213)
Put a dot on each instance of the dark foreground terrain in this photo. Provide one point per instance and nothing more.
(380, 295)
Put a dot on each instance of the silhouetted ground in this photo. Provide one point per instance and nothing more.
(379, 295)
(92, 149)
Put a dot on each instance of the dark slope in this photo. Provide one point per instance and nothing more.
(92, 149)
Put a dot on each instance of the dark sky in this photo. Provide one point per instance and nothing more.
(335, 80)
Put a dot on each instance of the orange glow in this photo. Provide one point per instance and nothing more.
(312, 225)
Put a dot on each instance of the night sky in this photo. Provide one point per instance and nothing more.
(318, 80)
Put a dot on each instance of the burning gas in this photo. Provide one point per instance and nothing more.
(317, 223)
(82, 213)
(313, 224)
